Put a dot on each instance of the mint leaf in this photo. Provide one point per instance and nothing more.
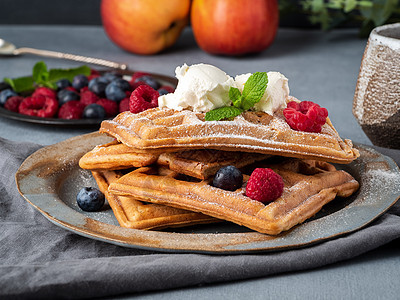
(57, 74)
(221, 113)
(40, 74)
(21, 84)
(254, 89)
(43, 77)
(236, 96)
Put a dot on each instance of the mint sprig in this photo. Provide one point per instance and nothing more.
(41, 76)
(253, 90)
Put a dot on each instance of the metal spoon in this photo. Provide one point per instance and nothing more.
(7, 48)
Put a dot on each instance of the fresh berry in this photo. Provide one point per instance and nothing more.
(79, 82)
(264, 185)
(122, 83)
(71, 110)
(62, 84)
(115, 92)
(70, 88)
(94, 72)
(228, 178)
(146, 79)
(44, 91)
(13, 103)
(124, 105)
(94, 111)
(135, 76)
(90, 199)
(111, 107)
(110, 76)
(305, 116)
(142, 98)
(98, 86)
(165, 89)
(5, 94)
(88, 97)
(39, 106)
(66, 95)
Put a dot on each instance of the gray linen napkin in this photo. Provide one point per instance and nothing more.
(42, 260)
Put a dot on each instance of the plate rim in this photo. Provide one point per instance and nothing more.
(157, 240)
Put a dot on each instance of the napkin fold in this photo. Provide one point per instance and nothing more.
(42, 260)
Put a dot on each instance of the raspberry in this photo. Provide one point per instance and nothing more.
(13, 103)
(70, 88)
(44, 91)
(111, 107)
(71, 110)
(142, 98)
(264, 185)
(305, 116)
(40, 106)
(88, 97)
(124, 105)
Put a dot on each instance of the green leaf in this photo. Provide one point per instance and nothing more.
(254, 89)
(40, 74)
(235, 96)
(57, 74)
(43, 77)
(21, 84)
(221, 113)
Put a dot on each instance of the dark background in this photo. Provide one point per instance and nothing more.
(87, 12)
(79, 12)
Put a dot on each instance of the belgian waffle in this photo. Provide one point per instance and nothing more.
(172, 130)
(197, 163)
(115, 156)
(308, 186)
(132, 213)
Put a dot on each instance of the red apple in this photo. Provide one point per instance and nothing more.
(142, 26)
(234, 27)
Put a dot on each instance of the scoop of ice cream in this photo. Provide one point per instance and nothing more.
(275, 94)
(200, 88)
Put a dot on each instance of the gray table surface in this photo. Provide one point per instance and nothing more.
(321, 67)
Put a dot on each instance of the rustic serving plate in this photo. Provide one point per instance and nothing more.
(50, 178)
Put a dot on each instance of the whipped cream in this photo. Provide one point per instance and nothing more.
(200, 88)
(275, 94)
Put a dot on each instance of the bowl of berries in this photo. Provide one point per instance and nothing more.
(80, 96)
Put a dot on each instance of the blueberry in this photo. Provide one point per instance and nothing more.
(90, 199)
(122, 83)
(5, 94)
(79, 82)
(162, 92)
(228, 178)
(110, 76)
(114, 92)
(98, 86)
(149, 81)
(94, 111)
(65, 96)
(62, 84)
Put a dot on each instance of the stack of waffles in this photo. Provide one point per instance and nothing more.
(158, 172)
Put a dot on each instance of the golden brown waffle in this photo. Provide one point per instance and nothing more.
(116, 156)
(308, 186)
(132, 213)
(259, 132)
(205, 163)
(197, 163)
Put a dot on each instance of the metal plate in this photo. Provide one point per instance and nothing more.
(50, 178)
(163, 79)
